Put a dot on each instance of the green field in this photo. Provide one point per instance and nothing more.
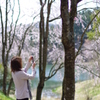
(86, 90)
(3, 97)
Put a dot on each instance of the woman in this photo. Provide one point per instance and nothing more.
(20, 77)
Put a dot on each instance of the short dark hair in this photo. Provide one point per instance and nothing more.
(16, 64)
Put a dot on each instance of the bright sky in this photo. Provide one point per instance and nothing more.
(30, 8)
(88, 4)
(34, 5)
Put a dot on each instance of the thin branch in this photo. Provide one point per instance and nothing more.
(17, 18)
(54, 72)
(78, 1)
(6, 20)
(86, 9)
(14, 33)
(53, 67)
(83, 67)
(41, 2)
(36, 61)
(23, 39)
(3, 46)
(91, 50)
(84, 34)
(88, 2)
(9, 6)
(52, 1)
(25, 33)
(15, 26)
(2, 25)
(55, 18)
(11, 25)
(45, 1)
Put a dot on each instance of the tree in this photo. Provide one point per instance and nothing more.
(43, 45)
(20, 45)
(13, 37)
(7, 37)
(69, 47)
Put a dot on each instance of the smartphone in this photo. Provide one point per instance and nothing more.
(32, 60)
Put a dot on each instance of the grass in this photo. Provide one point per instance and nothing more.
(3, 97)
(84, 90)
(87, 89)
(57, 90)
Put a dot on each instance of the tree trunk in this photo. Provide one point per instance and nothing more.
(69, 75)
(4, 79)
(69, 79)
(9, 87)
(39, 90)
(41, 82)
(68, 90)
(43, 47)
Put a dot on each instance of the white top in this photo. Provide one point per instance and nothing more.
(20, 80)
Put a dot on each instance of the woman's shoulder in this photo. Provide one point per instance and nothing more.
(17, 72)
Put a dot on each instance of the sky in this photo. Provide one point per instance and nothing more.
(35, 5)
(88, 4)
(31, 8)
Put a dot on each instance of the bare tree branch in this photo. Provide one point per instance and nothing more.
(15, 27)
(13, 33)
(87, 8)
(19, 50)
(73, 10)
(45, 36)
(88, 2)
(52, 1)
(78, 1)
(11, 25)
(6, 21)
(53, 67)
(55, 18)
(3, 46)
(9, 6)
(84, 67)
(45, 1)
(91, 50)
(2, 25)
(23, 39)
(77, 11)
(54, 72)
(17, 19)
(25, 33)
(84, 34)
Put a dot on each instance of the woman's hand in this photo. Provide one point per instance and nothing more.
(30, 58)
(33, 65)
